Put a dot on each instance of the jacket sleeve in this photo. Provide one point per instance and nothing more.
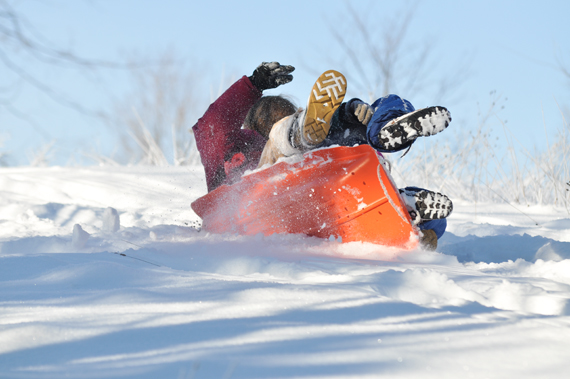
(214, 130)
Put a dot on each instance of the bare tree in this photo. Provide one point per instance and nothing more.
(383, 58)
(154, 120)
(564, 70)
(24, 53)
(3, 155)
(20, 41)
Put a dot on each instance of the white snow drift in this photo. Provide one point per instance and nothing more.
(105, 273)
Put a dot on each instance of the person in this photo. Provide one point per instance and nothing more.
(227, 149)
(233, 132)
(390, 124)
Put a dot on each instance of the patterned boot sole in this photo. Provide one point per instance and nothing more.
(426, 205)
(423, 122)
(432, 205)
(326, 96)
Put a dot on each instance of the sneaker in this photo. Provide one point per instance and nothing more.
(326, 96)
(405, 129)
(424, 205)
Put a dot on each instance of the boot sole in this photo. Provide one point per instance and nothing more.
(433, 205)
(326, 96)
(424, 122)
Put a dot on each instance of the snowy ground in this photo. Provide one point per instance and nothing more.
(160, 299)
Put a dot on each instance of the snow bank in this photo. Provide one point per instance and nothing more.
(104, 272)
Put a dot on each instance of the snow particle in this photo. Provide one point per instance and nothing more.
(111, 221)
(79, 237)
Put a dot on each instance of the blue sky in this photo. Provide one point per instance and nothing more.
(511, 47)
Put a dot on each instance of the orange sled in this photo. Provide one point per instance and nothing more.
(340, 192)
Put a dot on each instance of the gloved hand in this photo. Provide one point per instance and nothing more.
(271, 75)
(362, 111)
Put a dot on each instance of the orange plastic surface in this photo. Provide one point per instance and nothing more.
(340, 192)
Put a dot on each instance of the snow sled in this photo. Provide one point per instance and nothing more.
(339, 192)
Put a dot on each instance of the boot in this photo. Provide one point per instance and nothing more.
(404, 129)
(326, 96)
(308, 128)
(424, 205)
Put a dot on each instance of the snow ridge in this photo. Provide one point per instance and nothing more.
(146, 293)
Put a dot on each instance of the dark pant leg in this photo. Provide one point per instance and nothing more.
(345, 129)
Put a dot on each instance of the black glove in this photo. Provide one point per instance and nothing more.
(362, 111)
(271, 75)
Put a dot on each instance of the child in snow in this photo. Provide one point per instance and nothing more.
(391, 124)
(227, 150)
(273, 127)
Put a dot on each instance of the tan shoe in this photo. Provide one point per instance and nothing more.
(326, 96)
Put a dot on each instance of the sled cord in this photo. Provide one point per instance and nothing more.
(506, 201)
(396, 208)
(138, 259)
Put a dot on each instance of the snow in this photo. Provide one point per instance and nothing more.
(104, 273)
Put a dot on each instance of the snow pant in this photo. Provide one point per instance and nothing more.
(437, 225)
(346, 130)
(386, 108)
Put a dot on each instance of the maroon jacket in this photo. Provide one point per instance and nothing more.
(219, 135)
